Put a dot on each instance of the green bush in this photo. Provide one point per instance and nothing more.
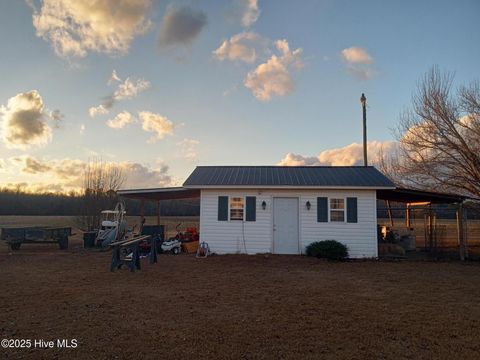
(327, 249)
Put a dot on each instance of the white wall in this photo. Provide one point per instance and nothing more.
(257, 237)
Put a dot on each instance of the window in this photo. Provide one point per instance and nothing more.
(337, 210)
(236, 208)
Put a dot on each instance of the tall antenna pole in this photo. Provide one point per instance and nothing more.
(363, 100)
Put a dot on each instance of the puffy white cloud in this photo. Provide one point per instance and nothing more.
(273, 78)
(128, 89)
(356, 55)
(98, 110)
(250, 12)
(76, 27)
(24, 121)
(157, 124)
(245, 47)
(344, 156)
(359, 62)
(188, 149)
(114, 78)
(180, 26)
(120, 120)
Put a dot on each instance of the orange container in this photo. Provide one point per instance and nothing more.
(190, 247)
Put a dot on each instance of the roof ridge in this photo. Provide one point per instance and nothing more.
(284, 166)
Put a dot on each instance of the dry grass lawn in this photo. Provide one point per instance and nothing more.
(237, 307)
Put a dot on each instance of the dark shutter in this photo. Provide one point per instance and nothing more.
(352, 216)
(251, 202)
(322, 209)
(222, 208)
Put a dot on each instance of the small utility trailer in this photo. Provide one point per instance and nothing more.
(16, 236)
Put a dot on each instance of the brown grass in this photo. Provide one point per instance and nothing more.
(231, 307)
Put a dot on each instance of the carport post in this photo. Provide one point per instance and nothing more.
(158, 213)
(407, 216)
(461, 240)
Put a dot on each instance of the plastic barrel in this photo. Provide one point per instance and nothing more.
(89, 239)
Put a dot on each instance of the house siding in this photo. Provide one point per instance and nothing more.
(257, 236)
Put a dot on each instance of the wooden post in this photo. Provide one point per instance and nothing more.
(461, 240)
(389, 209)
(407, 217)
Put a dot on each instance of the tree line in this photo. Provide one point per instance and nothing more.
(17, 202)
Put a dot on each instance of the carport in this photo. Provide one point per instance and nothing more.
(420, 199)
(157, 195)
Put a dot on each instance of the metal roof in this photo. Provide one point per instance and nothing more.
(288, 176)
(414, 195)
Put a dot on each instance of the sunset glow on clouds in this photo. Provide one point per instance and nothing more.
(349, 155)
(76, 27)
(25, 121)
(158, 87)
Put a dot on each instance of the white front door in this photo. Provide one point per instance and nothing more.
(285, 226)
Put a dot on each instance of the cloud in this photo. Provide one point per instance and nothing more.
(358, 62)
(349, 155)
(250, 12)
(156, 123)
(244, 47)
(74, 27)
(120, 120)
(273, 78)
(63, 175)
(356, 55)
(114, 78)
(180, 26)
(128, 89)
(24, 121)
(33, 166)
(82, 129)
(188, 149)
(141, 176)
(98, 110)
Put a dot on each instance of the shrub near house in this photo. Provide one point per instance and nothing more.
(327, 249)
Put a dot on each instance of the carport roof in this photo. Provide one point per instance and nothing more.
(417, 196)
(170, 193)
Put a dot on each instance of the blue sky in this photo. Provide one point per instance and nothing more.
(347, 47)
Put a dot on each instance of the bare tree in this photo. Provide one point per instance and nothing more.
(439, 137)
(100, 183)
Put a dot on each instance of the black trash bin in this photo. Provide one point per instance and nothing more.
(89, 239)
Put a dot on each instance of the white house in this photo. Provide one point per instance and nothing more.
(280, 210)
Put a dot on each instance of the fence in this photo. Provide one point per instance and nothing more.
(437, 234)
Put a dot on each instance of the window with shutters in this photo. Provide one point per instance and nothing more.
(337, 210)
(236, 208)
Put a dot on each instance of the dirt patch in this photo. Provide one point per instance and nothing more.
(250, 307)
